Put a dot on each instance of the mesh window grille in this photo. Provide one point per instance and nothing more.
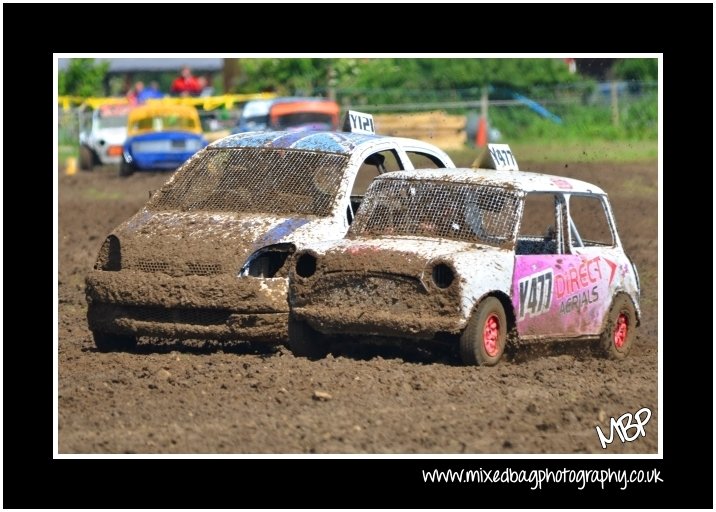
(434, 209)
(256, 180)
(175, 269)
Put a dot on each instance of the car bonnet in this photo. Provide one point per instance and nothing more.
(220, 240)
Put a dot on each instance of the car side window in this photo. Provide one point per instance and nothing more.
(374, 165)
(424, 160)
(540, 228)
(589, 224)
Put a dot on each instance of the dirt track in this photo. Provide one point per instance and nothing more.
(208, 398)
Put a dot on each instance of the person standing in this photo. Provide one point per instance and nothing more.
(185, 84)
(134, 93)
(204, 87)
(148, 93)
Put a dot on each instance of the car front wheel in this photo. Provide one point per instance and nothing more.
(86, 158)
(125, 169)
(620, 331)
(483, 340)
(304, 341)
(107, 342)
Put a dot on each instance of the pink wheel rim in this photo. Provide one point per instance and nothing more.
(621, 330)
(490, 335)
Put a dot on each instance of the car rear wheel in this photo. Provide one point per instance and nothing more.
(483, 340)
(86, 158)
(305, 341)
(125, 169)
(108, 342)
(620, 331)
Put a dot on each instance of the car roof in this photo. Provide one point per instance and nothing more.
(518, 180)
(161, 109)
(321, 106)
(325, 141)
(263, 105)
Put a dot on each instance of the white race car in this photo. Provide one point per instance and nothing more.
(473, 257)
(102, 135)
(208, 255)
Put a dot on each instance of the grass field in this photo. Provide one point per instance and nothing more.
(571, 152)
(65, 151)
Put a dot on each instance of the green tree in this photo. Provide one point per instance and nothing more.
(285, 76)
(396, 80)
(83, 77)
(639, 70)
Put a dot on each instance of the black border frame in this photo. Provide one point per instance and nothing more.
(33, 479)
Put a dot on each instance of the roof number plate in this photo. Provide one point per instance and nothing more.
(358, 122)
(502, 157)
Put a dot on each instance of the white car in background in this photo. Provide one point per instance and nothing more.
(102, 135)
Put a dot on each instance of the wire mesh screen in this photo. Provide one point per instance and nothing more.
(257, 180)
(434, 209)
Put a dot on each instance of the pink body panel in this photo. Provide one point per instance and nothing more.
(563, 295)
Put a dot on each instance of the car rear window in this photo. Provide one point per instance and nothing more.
(166, 122)
(256, 180)
(438, 209)
(110, 121)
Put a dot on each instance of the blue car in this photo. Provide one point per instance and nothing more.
(160, 137)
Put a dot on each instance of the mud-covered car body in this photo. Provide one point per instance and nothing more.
(102, 135)
(207, 256)
(160, 137)
(428, 248)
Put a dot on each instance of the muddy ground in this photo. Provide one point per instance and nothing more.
(209, 398)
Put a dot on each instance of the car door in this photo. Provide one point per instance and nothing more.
(592, 243)
(540, 255)
(560, 288)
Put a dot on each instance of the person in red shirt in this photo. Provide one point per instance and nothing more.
(186, 84)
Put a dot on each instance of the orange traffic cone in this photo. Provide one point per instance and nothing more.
(481, 141)
(71, 165)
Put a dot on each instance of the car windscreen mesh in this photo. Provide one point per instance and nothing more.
(257, 180)
(438, 209)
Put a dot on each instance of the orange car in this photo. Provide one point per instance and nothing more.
(304, 114)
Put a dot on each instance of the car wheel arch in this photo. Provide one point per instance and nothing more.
(617, 293)
(489, 331)
(506, 305)
(618, 334)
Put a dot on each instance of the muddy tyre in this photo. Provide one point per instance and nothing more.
(107, 342)
(86, 158)
(483, 340)
(125, 169)
(305, 341)
(620, 330)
